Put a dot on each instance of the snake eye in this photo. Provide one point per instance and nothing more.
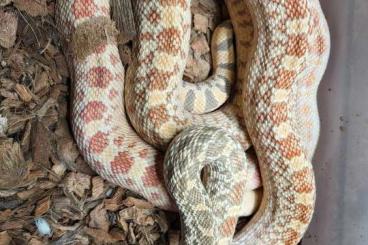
(205, 173)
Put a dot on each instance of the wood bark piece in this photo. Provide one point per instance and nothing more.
(43, 206)
(12, 163)
(122, 14)
(8, 28)
(4, 3)
(33, 8)
(23, 92)
(200, 22)
(41, 144)
(5, 238)
(99, 218)
(58, 185)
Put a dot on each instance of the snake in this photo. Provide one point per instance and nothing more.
(123, 122)
(209, 95)
(208, 212)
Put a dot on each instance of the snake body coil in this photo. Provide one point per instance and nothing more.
(282, 49)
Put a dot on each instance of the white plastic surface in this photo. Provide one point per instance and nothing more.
(341, 160)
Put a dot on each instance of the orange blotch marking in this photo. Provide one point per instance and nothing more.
(236, 195)
(279, 113)
(99, 77)
(228, 227)
(285, 79)
(83, 8)
(94, 110)
(158, 115)
(290, 147)
(321, 45)
(304, 213)
(158, 80)
(291, 237)
(169, 41)
(101, 48)
(154, 16)
(122, 163)
(297, 45)
(303, 180)
(150, 177)
(98, 142)
(296, 9)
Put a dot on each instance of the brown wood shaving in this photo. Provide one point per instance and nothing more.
(8, 28)
(32, 7)
(53, 180)
(91, 34)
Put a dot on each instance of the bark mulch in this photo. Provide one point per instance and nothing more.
(48, 194)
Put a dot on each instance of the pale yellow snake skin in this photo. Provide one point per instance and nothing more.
(279, 67)
(208, 212)
(210, 94)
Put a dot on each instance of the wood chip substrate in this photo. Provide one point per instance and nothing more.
(48, 194)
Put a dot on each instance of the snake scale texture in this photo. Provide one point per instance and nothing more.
(123, 123)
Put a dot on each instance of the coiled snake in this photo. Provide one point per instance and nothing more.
(279, 65)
